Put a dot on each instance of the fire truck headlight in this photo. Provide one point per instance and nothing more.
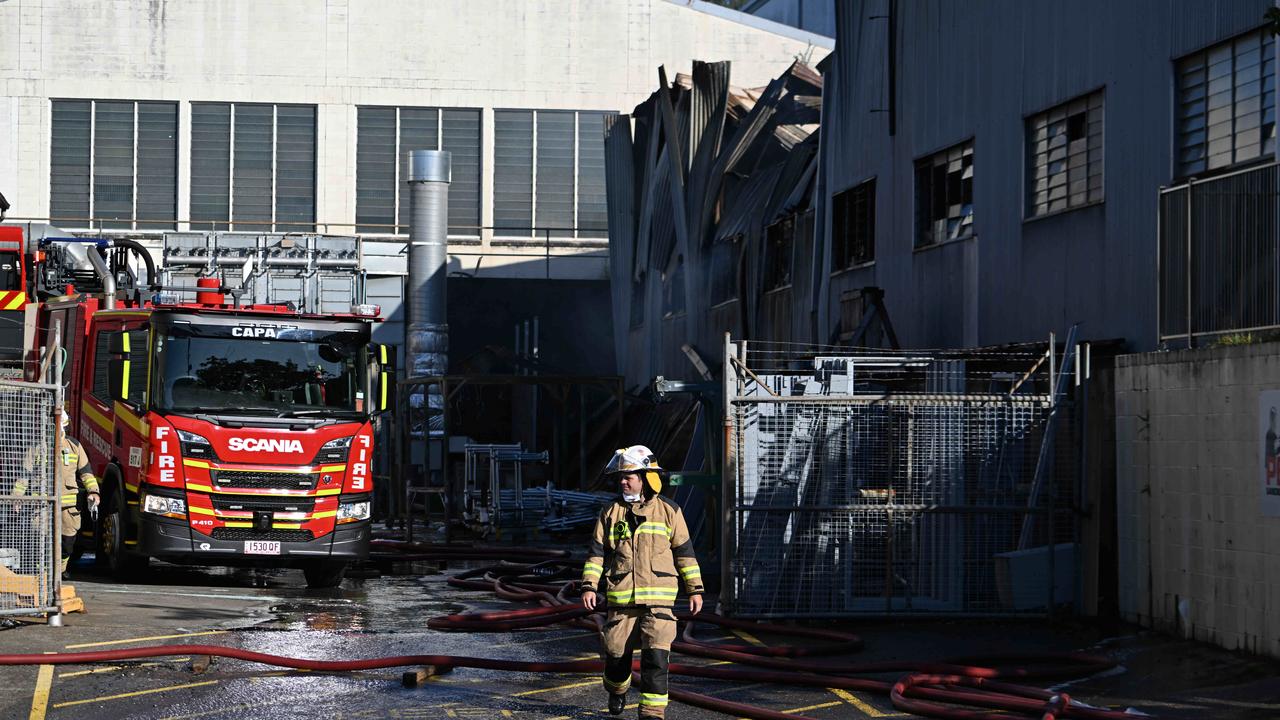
(166, 506)
(334, 451)
(351, 512)
(194, 445)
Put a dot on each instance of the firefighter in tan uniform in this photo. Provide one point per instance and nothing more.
(72, 473)
(642, 550)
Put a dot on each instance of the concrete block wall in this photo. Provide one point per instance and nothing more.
(1197, 556)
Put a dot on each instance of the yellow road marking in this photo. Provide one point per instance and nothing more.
(105, 698)
(113, 668)
(813, 707)
(558, 687)
(592, 656)
(144, 639)
(40, 699)
(748, 637)
(864, 707)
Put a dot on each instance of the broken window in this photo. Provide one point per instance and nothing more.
(853, 226)
(1226, 105)
(1064, 156)
(944, 195)
(779, 247)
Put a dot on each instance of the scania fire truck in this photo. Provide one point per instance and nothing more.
(223, 433)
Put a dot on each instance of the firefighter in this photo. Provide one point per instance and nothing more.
(641, 547)
(72, 473)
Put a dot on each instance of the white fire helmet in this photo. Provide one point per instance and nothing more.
(636, 459)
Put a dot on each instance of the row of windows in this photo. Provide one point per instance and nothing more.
(253, 167)
(1225, 111)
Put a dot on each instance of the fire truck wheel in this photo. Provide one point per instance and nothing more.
(111, 537)
(324, 573)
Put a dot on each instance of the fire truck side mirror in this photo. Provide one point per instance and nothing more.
(385, 359)
(118, 366)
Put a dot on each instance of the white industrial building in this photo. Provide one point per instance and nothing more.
(285, 115)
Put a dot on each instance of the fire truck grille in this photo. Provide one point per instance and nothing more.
(251, 534)
(254, 480)
(258, 502)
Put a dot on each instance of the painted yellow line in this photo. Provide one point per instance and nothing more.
(40, 699)
(864, 707)
(557, 687)
(144, 639)
(92, 413)
(748, 637)
(812, 707)
(133, 421)
(113, 668)
(592, 656)
(121, 696)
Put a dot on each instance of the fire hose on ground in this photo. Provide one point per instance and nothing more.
(966, 689)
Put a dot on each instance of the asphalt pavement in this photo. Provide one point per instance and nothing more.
(272, 611)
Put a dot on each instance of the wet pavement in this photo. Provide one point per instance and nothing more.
(273, 612)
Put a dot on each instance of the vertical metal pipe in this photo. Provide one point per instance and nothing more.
(427, 335)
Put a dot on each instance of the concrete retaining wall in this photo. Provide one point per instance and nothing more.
(1198, 555)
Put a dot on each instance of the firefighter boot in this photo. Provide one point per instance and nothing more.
(617, 679)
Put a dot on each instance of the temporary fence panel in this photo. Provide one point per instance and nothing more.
(28, 499)
(893, 484)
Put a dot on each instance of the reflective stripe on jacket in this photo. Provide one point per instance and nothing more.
(643, 552)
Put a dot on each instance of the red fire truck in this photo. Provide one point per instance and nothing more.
(224, 434)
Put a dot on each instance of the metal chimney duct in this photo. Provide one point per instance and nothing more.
(427, 335)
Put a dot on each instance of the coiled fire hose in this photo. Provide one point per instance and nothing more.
(962, 690)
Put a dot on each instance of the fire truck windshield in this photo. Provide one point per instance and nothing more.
(309, 374)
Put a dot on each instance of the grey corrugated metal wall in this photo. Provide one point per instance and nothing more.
(976, 70)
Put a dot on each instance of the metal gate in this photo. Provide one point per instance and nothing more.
(28, 499)
(883, 483)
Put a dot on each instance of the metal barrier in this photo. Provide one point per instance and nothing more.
(1219, 255)
(902, 483)
(29, 509)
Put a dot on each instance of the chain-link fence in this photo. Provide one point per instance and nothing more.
(897, 483)
(28, 499)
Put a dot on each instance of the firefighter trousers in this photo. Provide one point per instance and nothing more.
(651, 628)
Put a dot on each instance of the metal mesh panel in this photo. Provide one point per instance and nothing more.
(874, 485)
(27, 498)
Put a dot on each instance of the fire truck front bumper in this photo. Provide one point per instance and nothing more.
(174, 539)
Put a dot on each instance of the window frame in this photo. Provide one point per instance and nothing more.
(1267, 85)
(929, 159)
(535, 232)
(1030, 155)
(93, 219)
(398, 212)
(853, 263)
(275, 224)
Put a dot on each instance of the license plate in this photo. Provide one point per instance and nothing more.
(261, 547)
